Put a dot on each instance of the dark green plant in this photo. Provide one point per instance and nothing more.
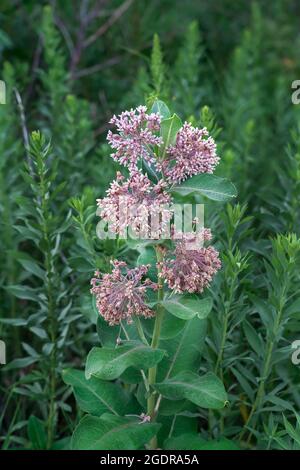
(275, 311)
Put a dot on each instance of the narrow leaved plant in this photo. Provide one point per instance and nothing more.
(282, 266)
(143, 380)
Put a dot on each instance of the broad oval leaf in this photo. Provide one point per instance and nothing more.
(187, 307)
(211, 186)
(161, 108)
(171, 326)
(95, 396)
(206, 391)
(110, 363)
(184, 351)
(112, 433)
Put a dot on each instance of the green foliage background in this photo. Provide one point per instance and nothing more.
(68, 66)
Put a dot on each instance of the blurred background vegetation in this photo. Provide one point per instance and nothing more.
(68, 67)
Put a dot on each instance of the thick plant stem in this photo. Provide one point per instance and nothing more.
(154, 344)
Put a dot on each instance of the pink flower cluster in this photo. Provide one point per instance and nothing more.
(121, 294)
(132, 202)
(194, 152)
(190, 270)
(135, 136)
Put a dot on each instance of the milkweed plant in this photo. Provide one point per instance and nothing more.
(145, 376)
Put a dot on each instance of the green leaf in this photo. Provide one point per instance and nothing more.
(211, 186)
(188, 441)
(161, 108)
(293, 309)
(187, 307)
(112, 433)
(24, 292)
(95, 396)
(37, 433)
(148, 256)
(20, 363)
(184, 351)
(150, 171)
(222, 444)
(14, 321)
(62, 444)
(206, 391)
(108, 334)
(254, 340)
(169, 129)
(282, 404)
(30, 265)
(292, 432)
(40, 332)
(169, 408)
(180, 425)
(242, 380)
(110, 363)
(171, 326)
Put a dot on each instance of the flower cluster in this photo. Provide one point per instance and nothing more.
(190, 270)
(133, 203)
(135, 136)
(194, 152)
(121, 294)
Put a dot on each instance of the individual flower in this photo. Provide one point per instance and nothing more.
(135, 136)
(132, 203)
(191, 269)
(121, 294)
(194, 152)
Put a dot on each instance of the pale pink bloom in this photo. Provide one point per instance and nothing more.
(130, 203)
(194, 152)
(135, 137)
(199, 237)
(189, 269)
(122, 294)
